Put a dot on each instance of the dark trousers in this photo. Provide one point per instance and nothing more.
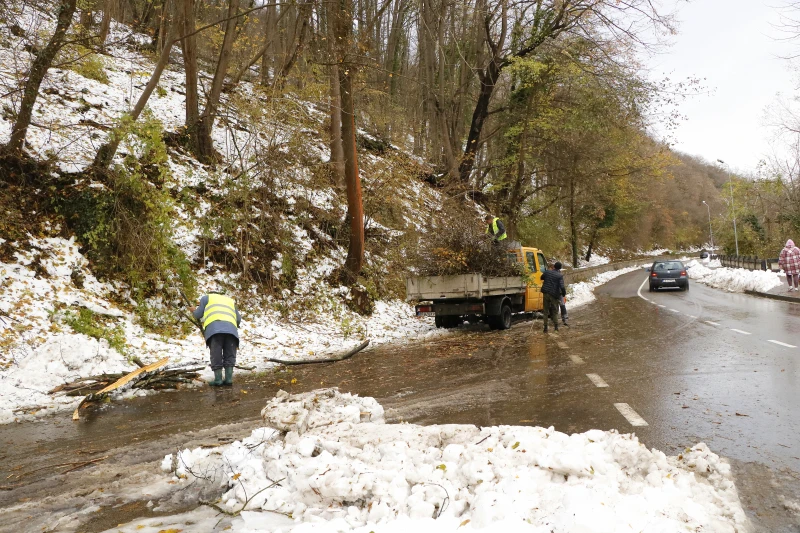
(551, 305)
(223, 350)
(564, 315)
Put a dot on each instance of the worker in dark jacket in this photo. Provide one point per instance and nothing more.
(220, 319)
(553, 290)
(495, 228)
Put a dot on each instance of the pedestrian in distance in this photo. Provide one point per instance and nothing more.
(553, 290)
(220, 319)
(495, 228)
(789, 261)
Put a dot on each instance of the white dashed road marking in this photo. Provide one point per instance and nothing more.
(712, 323)
(597, 380)
(692, 316)
(575, 359)
(661, 305)
(562, 345)
(779, 343)
(674, 310)
(740, 331)
(630, 415)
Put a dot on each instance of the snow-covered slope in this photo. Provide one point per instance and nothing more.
(309, 318)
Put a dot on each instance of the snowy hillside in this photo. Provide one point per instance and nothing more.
(45, 279)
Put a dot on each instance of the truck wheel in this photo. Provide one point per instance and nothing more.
(505, 317)
(503, 320)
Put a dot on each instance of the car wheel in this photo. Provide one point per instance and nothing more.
(652, 289)
(686, 287)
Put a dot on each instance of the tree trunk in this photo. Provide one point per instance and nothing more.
(304, 14)
(205, 146)
(39, 69)
(105, 155)
(488, 81)
(355, 209)
(189, 46)
(591, 243)
(343, 10)
(105, 23)
(337, 150)
(573, 224)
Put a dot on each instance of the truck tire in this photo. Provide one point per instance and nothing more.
(503, 320)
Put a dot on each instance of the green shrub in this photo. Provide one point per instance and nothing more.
(83, 61)
(87, 323)
(127, 225)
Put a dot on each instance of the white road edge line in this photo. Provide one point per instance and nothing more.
(779, 343)
(709, 322)
(740, 331)
(630, 415)
(575, 359)
(597, 380)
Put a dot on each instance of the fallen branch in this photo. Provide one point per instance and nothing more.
(341, 357)
(117, 384)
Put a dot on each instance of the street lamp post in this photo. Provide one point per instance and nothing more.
(733, 211)
(710, 230)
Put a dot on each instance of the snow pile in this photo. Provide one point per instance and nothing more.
(733, 279)
(582, 293)
(341, 468)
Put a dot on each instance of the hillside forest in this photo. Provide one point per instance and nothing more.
(170, 135)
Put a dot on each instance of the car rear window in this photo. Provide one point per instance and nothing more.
(668, 265)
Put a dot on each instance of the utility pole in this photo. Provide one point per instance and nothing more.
(733, 211)
(710, 231)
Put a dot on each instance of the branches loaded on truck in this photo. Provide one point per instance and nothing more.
(474, 297)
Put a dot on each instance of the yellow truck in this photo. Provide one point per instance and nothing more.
(474, 297)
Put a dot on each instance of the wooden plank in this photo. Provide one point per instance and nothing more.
(120, 382)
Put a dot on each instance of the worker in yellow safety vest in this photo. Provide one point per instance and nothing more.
(495, 228)
(220, 319)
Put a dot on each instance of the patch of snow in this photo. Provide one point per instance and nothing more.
(733, 279)
(340, 467)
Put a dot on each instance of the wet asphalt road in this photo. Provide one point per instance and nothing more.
(683, 368)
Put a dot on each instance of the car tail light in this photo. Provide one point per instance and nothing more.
(683, 272)
(654, 275)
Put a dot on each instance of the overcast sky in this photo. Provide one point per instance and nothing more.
(735, 46)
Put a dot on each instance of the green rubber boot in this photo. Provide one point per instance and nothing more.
(217, 378)
(228, 376)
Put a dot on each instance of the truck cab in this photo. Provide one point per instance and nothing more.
(535, 264)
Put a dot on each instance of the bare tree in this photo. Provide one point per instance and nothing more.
(41, 64)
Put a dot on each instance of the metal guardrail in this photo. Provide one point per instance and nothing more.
(748, 262)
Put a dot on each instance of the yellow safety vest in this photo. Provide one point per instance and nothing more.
(219, 307)
(495, 229)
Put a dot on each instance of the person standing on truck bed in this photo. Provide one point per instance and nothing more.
(495, 228)
(553, 290)
(220, 319)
